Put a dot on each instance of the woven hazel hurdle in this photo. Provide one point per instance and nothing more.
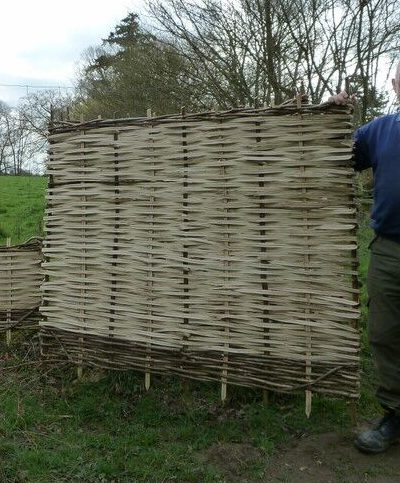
(216, 246)
(20, 281)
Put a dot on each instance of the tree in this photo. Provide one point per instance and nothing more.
(38, 109)
(345, 40)
(131, 72)
(24, 130)
(226, 52)
(257, 51)
(4, 112)
(15, 144)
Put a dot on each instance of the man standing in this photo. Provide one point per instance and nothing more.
(377, 146)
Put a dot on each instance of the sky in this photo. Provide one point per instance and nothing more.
(41, 41)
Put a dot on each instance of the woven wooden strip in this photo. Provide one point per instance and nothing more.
(273, 373)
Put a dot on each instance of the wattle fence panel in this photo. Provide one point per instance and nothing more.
(217, 246)
(20, 284)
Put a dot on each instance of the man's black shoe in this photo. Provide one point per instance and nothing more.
(378, 439)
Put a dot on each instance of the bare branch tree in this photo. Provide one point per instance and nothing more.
(256, 50)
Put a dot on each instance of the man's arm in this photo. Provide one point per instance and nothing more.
(362, 158)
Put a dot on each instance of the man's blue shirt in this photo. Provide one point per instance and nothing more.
(377, 146)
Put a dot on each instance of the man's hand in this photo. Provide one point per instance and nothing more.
(342, 99)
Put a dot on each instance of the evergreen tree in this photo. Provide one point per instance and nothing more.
(131, 72)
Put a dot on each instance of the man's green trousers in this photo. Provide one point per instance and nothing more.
(384, 318)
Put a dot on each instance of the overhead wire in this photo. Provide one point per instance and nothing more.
(3, 84)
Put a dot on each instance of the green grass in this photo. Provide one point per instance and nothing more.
(107, 428)
(22, 201)
(111, 429)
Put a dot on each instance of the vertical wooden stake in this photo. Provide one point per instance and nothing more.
(308, 395)
(185, 255)
(8, 336)
(264, 280)
(147, 380)
(224, 386)
(116, 239)
(308, 403)
(226, 264)
(8, 332)
(79, 369)
(147, 375)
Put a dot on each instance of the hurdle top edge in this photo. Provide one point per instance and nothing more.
(288, 108)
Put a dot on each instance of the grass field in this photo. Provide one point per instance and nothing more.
(21, 207)
(107, 428)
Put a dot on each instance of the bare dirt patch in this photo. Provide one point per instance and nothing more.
(331, 458)
(233, 460)
(319, 458)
